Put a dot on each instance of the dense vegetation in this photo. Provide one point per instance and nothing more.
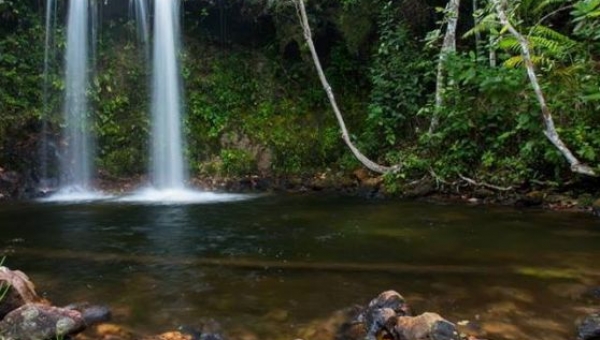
(255, 105)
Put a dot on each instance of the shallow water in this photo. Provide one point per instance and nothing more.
(272, 265)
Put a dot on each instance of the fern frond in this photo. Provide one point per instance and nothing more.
(545, 31)
(513, 62)
(517, 61)
(543, 5)
(550, 46)
(486, 23)
(510, 43)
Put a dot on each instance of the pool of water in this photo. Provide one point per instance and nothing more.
(273, 265)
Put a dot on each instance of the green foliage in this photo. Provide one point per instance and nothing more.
(400, 76)
(279, 108)
(237, 162)
(21, 60)
(266, 92)
(120, 97)
(585, 16)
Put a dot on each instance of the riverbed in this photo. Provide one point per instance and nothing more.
(273, 265)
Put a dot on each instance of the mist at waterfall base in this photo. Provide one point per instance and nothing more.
(168, 168)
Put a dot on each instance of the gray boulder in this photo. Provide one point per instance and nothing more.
(40, 322)
(589, 328)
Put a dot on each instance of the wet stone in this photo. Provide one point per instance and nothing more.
(589, 328)
(427, 326)
(40, 322)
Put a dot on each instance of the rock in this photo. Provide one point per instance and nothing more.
(388, 305)
(421, 189)
(592, 293)
(427, 326)
(589, 328)
(169, 336)
(532, 199)
(40, 322)
(361, 174)
(111, 331)
(91, 314)
(390, 299)
(20, 291)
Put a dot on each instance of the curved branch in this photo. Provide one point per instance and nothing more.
(345, 135)
(550, 131)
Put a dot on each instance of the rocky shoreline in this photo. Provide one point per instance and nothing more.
(581, 196)
(26, 316)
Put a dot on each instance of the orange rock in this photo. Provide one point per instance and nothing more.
(110, 331)
(171, 336)
(361, 174)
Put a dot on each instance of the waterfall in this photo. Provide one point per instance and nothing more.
(138, 10)
(77, 169)
(167, 170)
(49, 48)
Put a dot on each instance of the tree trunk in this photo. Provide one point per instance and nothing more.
(448, 46)
(550, 131)
(475, 7)
(492, 54)
(345, 135)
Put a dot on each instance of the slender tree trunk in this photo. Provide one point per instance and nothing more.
(492, 54)
(477, 33)
(550, 131)
(448, 47)
(345, 135)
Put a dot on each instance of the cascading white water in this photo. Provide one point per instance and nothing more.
(76, 165)
(48, 54)
(139, 12)
(168, 171)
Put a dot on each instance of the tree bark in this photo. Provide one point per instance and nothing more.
(448, 46)
(345, 135)
(550, 131)
(475, 7)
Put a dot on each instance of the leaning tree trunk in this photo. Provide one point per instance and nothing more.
(448, 46)
(550, 131)
(475, 7)
(345, 135)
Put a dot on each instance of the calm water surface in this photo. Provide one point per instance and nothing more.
(274, 265)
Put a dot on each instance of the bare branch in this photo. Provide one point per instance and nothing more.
(483, 184)
(345, 135)
(550, 131)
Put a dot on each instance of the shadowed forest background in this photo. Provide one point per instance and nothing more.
(254, 104)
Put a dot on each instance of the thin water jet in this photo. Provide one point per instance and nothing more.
(138, 11)
(168, 170)
(49, 48)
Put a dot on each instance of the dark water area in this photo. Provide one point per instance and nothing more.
(274, 265)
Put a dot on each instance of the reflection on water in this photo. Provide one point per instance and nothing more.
(275, 264)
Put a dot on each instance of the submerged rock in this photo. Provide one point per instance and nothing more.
(427, 326)
(40, 322)
(92, 314)
(589, 328)
(17, 290)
